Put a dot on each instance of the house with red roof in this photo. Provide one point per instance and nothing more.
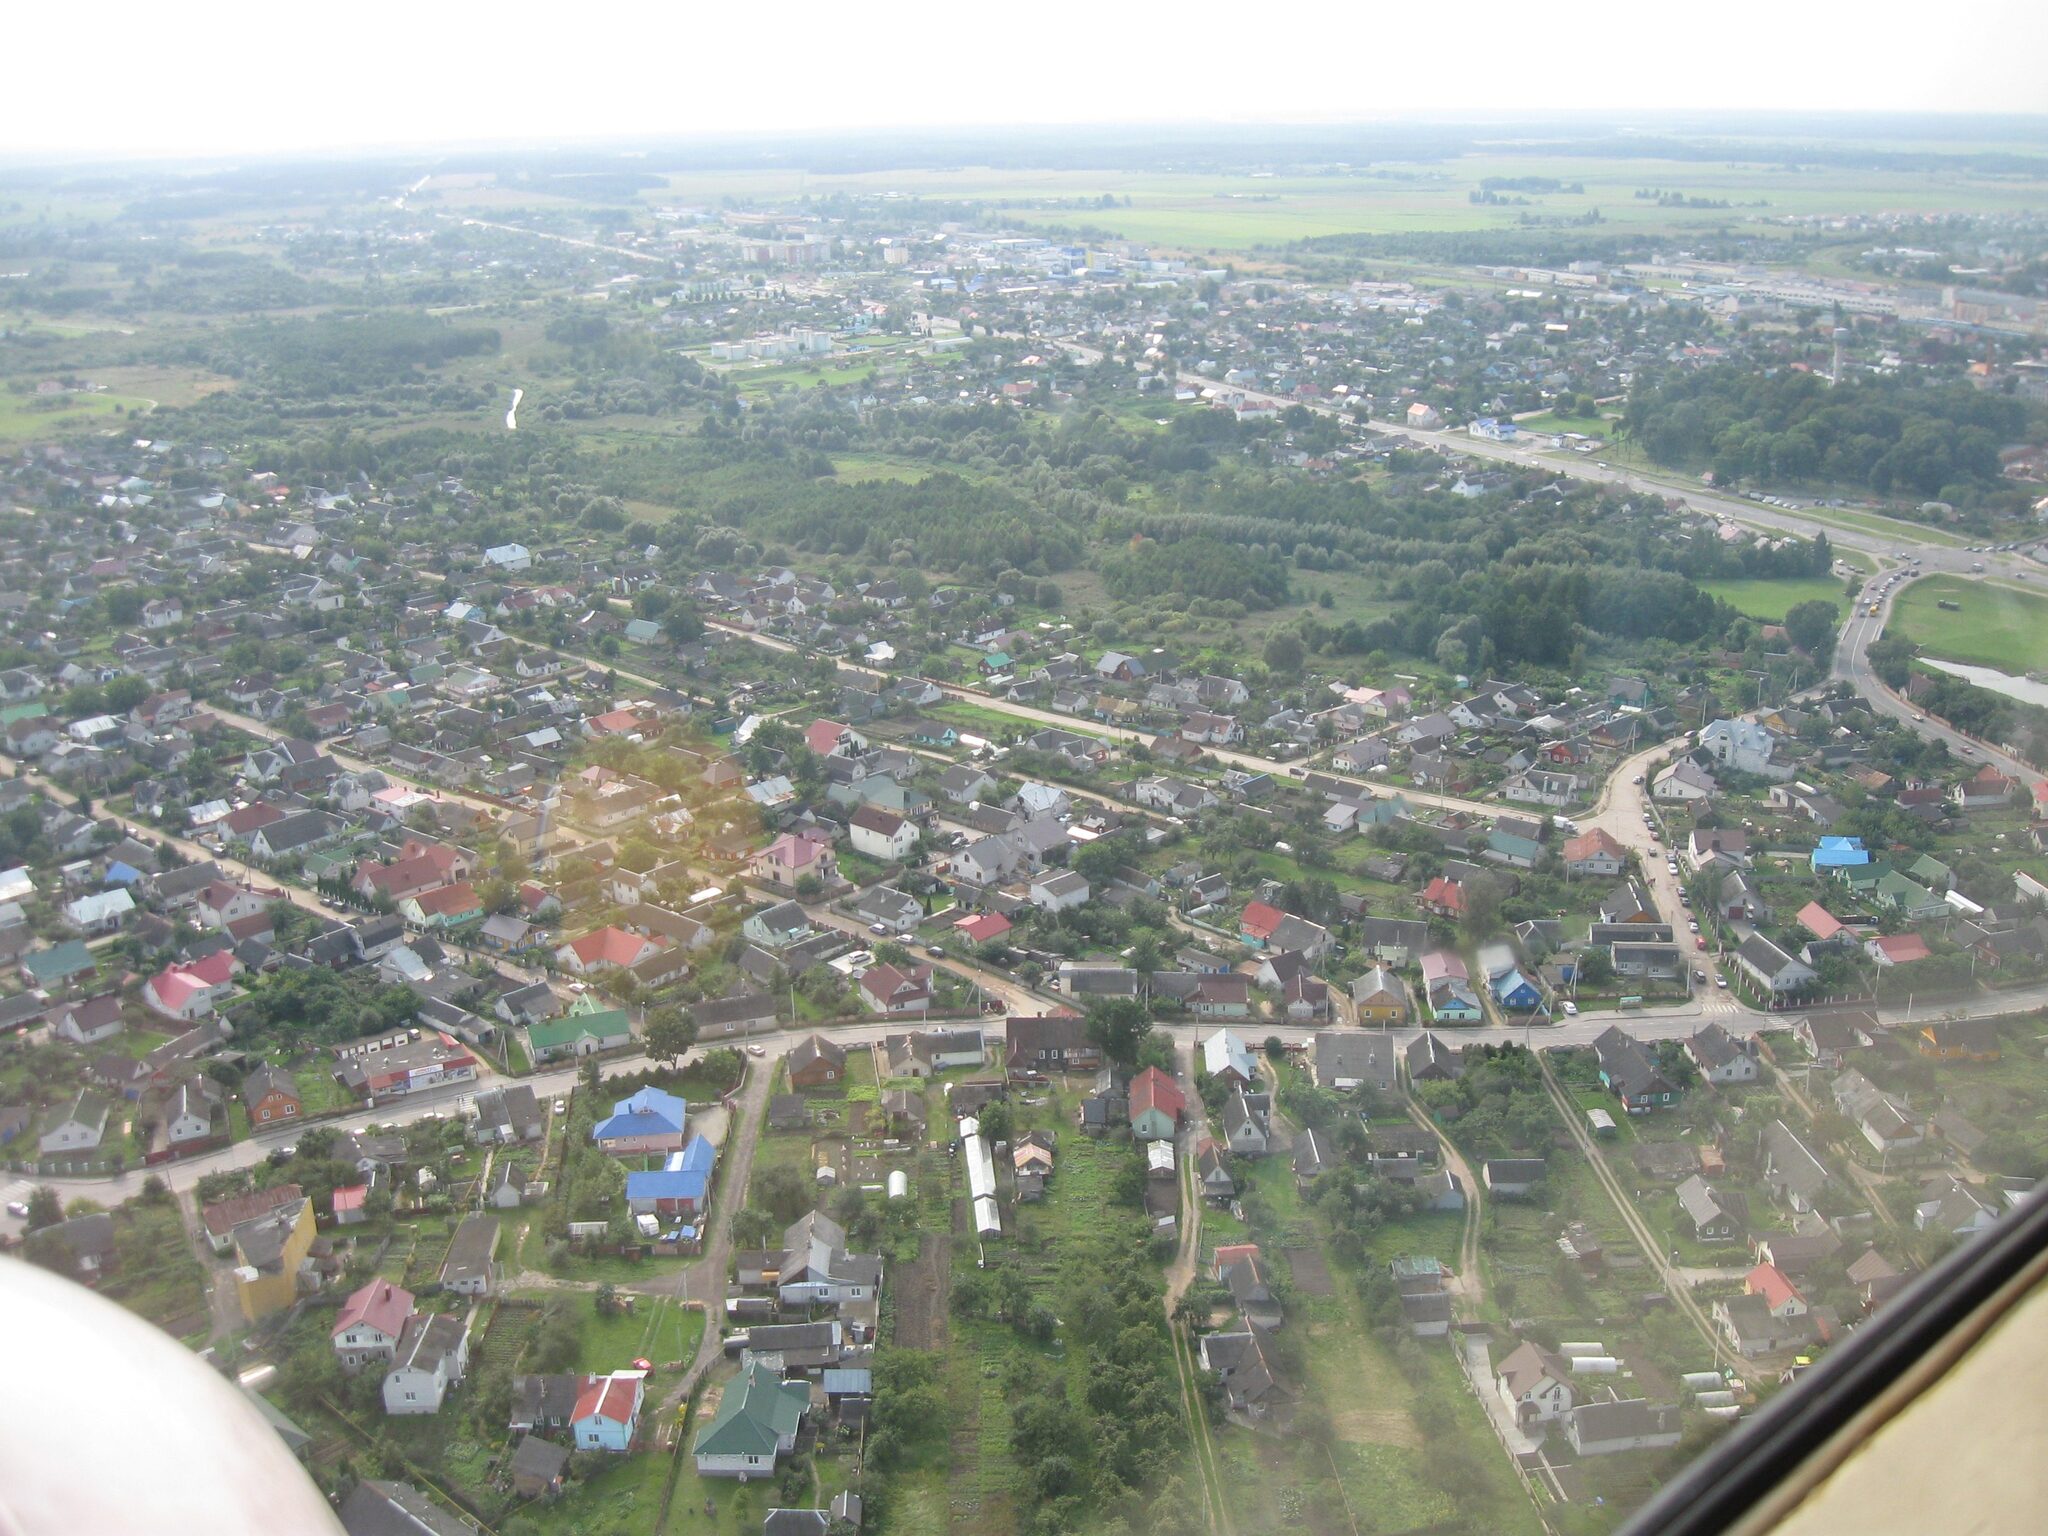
(351, 1204)
(607, 1413)
(189, 992)
(1777, 1290)
(605, 949)
(982, 927)
(1897, 948)
(370, 1324)
(1157, 1105)
(1259, 922)
(1595, 853)
(1443, 896)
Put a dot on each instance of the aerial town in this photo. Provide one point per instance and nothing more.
(927, 856)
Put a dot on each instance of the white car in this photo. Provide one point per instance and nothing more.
(757, 1050)
(1571, 1009)
(1721, 982)
(1692, 925)
(561, 1107)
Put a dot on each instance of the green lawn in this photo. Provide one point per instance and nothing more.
(1769, 600)
(1993, 626)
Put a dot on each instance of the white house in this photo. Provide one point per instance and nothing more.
(431, 1357)
(1744, 746)
(1059, 891)
(1224, 1055)
(509, 557)
(1684, 780)
(100, 911)
(370, 1324)
(882, 834)
(1535, 1384)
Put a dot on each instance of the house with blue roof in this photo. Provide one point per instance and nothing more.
(119, 873)
(649, 1121)
(681, 1187)
(1516, 992)
(1839, 853)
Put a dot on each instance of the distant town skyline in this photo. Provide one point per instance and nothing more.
(237, 79)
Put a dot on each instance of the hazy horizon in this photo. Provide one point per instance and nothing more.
(259, 83)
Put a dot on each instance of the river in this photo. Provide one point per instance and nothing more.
(2025, 689)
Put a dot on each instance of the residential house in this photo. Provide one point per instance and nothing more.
(431, 1359)
(755, 1425)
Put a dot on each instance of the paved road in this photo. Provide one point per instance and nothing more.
(1852, 665)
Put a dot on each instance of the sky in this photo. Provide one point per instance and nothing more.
(121, 79)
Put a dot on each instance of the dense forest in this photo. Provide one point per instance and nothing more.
(1884, 435)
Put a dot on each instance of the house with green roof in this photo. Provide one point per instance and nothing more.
(59, 964)
(579, 1034)
(1930, 871)
(756, 1424)
(1910, 897)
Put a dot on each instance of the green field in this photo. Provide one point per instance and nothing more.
(1239, 211)
(1995, 626)
(27, 418)
(1770, 599)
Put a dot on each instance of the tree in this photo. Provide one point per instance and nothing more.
(607, 1299)
(1119, 1026)
(670, 1034)
(1811, 626)
(784, 1192)
(45, 1207)
(1283, 653)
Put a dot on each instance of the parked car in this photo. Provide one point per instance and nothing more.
(1571, 1009)
(1721, 982)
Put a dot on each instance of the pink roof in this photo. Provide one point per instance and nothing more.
(174, 988)
(381, 1304)
(351, 1197)
(1818, 921)
(793, 852)
(609, 946)
(821, 736)
(1901, 947)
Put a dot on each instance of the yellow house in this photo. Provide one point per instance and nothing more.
(268, 1253)
(1380, 997)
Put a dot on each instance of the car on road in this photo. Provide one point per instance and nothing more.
(936, 951)
(1700, 942)
(279, 1156)
(1637, 779)
(17, 1209)
(1693, 924)
(879, 930)
(1721, 982)
(1967, 751)
(757, 1050)
(1571, 1009)
(1921, 718)
(1700, 977)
